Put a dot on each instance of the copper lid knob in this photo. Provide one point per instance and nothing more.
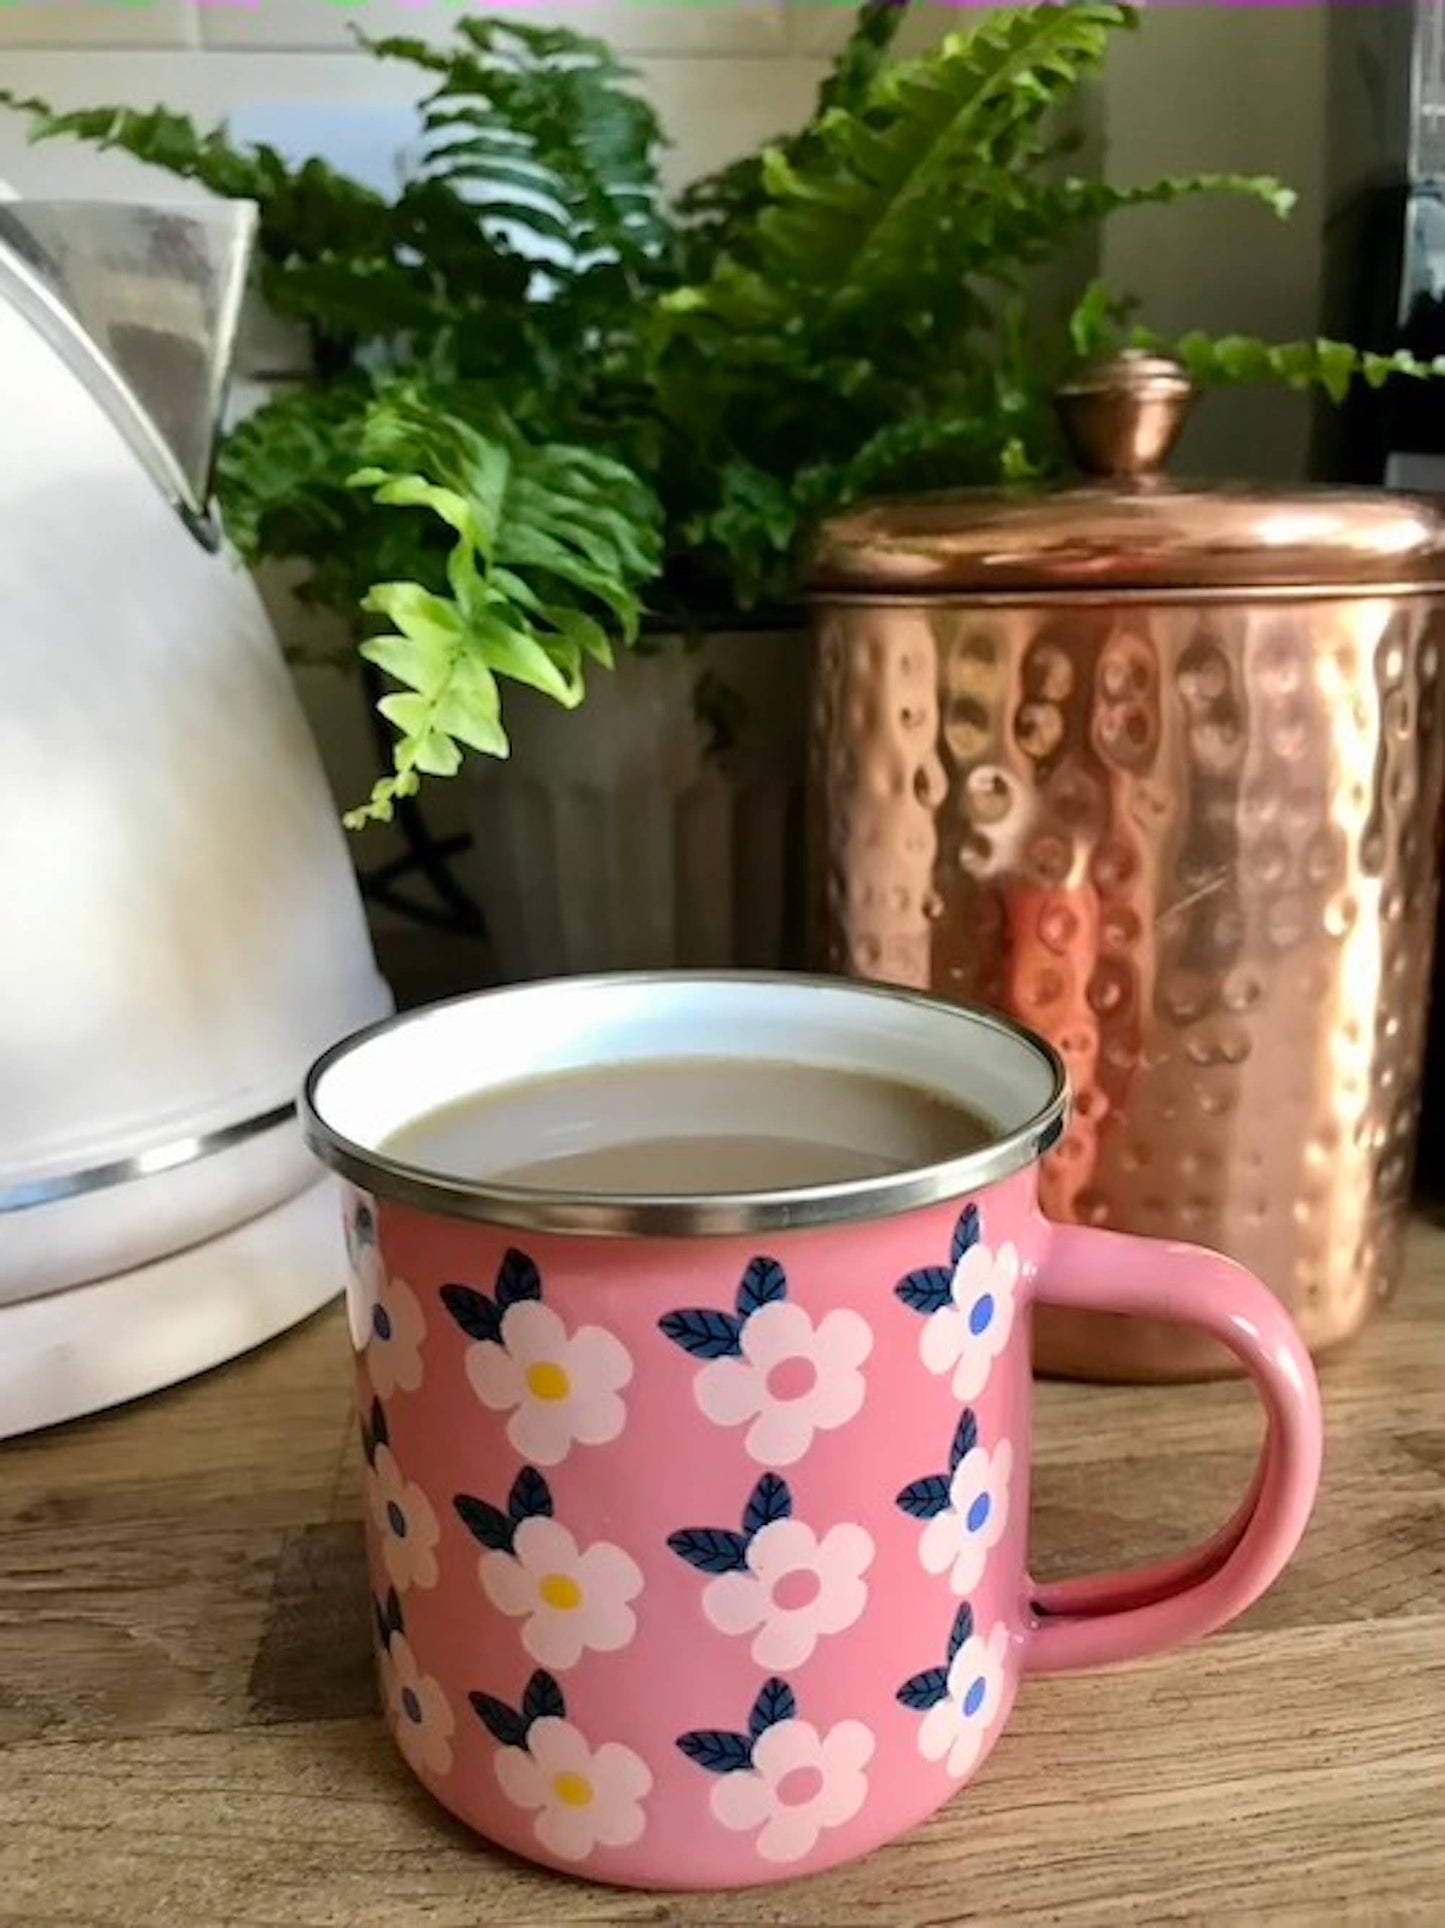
(1121, 417)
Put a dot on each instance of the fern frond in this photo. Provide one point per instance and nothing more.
(883, 187)
(1334, 366)
(550, 546)
(538, 129)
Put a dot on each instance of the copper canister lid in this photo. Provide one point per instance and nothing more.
(1127, 528)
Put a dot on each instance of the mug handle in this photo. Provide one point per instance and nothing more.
(1106, 1618)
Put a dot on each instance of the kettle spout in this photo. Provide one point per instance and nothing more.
(143, 304)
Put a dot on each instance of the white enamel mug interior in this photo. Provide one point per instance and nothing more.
(371, 1086)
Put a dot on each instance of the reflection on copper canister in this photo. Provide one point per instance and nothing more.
(1194, 842)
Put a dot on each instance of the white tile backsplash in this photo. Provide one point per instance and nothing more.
(822, 26)
(707, 123)
(98, 23)
(632, 26)
(205, 86)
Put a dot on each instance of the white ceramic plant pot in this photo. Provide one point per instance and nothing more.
(658, 826)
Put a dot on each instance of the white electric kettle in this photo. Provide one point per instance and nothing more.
(180, 929)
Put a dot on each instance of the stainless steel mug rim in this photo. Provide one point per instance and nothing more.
(643, 1215)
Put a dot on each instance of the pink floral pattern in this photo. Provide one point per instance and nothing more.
(965, 1509)
(968, 1306)
(771, 1368)
(404, 1522)
(393, 1348)
(784, 1781)
(801, 1783)
(794, 1379)
(363, 1253)
(959, 1540)
(417, 1711)
(571, 1599)
(956, 1729)
(797, 1589)
(962, 1700)
(582, 1796)
(561, 1388)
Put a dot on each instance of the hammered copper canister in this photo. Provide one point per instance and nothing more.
(1158, 770)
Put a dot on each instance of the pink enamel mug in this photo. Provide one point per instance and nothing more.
(698, 1527)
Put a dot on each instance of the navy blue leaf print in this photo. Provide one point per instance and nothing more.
(711, 1549)
(769, 1500)
(388, 1617)
(764, 1283)
(962, 1629)
(964, 1440)
(485, 1523)
(965, 1233)
(718, 1752)
(775, 1702)
(926, 1290)
(543, 1699)
(517, 1278)
(530, 1497)
(502, 1722)
(925, 1690)
(703, 1333)
(473, 1312)
(374, 1434)
(926, 1498)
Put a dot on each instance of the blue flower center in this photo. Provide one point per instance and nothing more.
(974, 1698)
(381, 1322)
(981, 1317)
(978, 1512)
(410, 1705)
(396, 1519)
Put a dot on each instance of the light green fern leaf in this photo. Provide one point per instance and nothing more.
(551, 544)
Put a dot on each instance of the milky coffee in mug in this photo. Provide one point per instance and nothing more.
(698, 1125)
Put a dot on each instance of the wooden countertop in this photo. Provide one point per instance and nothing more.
(188, 1735)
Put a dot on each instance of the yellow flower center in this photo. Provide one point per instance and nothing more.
(561, 1591)
(547, 1381)
(572, 1790)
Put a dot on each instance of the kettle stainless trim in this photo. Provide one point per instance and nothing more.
(146, 1164)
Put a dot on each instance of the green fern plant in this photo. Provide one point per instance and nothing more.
(544, 398)
(545, 540)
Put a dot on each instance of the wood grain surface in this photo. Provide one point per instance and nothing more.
(188, 1734)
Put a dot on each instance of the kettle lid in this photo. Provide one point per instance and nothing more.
(1126, 527)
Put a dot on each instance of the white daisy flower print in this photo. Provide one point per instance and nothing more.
(393, 1347)
(367, 1270)
(406, 1526)
(965, 1510)
(561, 1388)
(417, 1710)
(961, 1702)
(571, 1599)
(582, 1797)
(785, 1781)
(968, 1307)
(771, 1369)
(778, 1580)
(403, 1521)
